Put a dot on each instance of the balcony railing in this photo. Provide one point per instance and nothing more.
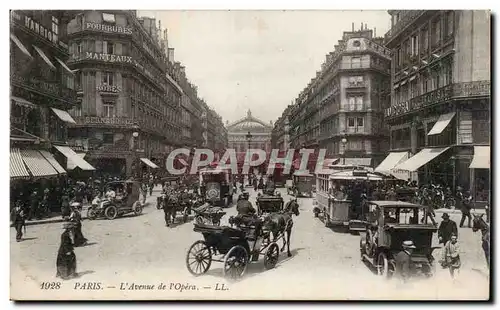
(364, 65)
(356, 85)
(448, 92)
(47, 88)
(408, 17)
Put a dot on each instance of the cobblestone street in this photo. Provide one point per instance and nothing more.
(141, 250)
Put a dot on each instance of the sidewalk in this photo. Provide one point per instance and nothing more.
(57, 218)
(457, 211)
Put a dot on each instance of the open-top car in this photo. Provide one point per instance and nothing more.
(127, 200)
(216, 186)
(301, 184)
(388, 225)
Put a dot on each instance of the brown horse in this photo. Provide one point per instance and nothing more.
(280, 223)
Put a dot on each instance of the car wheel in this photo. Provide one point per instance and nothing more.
(111, 212)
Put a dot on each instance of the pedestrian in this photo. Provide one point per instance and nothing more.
(446, 229)
(465, 208)
(76, 219)
(403, 261)
(66, 258)
(451, 256)
(18, 219)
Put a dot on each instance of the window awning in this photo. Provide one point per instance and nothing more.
(149, 163)
(17, 168)
(71, 165)
(329, 161)
(22, 102)
(64, 116)
(50, 158)
(37, 164)
(420, 159)
(75, 158)
(404, 82)
(391, 161)
(481, 158)
(358, 161)
(20, 45)
(45, 58)
(441, 123)
(64, 66)
(413, 78)
(396, 86)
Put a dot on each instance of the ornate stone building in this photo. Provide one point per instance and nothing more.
(249, 132)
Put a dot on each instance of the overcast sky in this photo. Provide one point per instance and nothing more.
(257, 60)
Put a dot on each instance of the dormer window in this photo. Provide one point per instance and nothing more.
(108, 18)
(356, 43)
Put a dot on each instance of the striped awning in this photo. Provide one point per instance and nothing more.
(50, 158)
(64, 66)
(45, 58)
(37, 164)
(71, 165)
(22, 102)
(20, 45)
(17, 168)
(75, 158)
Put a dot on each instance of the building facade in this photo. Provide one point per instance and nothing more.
(441, 98)
(280, 136)
(129, 92)
(42, 91)
(341, 110)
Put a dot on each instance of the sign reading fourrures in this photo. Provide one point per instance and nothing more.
(369, 182)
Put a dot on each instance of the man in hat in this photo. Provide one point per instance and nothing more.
(446, 229)
(18, 219)
(403, 260)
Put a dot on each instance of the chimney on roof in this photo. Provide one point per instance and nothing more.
(361, 26)
(171, 55)
(352, 27)
(375, 32)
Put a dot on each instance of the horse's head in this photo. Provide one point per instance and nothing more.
(293, 207)
(478, 223)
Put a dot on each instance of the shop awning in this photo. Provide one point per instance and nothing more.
(149, 163)
(37, 164)
(22, 102)
(17, 168)
(64, 116)
(45, 58)
(71, 165)
(420, 159)
(481, 158)
(20, 45)
(330, 161)
(64, 66)
(75, 158)
(391, 161)
(441, 123)
(359, 161)
(50, 158)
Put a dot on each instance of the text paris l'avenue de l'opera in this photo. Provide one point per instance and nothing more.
(202, 158)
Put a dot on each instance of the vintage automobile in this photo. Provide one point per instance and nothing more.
(388, 225)
(301, 185)
(337, 209)
(269, 203)
(127, 201)
(216, 186)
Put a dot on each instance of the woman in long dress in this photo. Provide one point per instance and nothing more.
(76, 219)
(66, 258)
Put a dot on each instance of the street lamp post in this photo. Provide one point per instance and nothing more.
(135, 135)
(344, 142)
(249, 138)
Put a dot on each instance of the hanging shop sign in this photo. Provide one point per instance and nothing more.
(109, 88)
(108, 28)
(109, 57)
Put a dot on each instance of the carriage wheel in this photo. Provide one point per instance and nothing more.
(91, 213)
(137, 208)
(383, 266)
(235, 262)
(199, 258)
(271, 256)
(199, 220)
(111, 212)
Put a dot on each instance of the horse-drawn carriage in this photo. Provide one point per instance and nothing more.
(300, 185)
(216, 186)
(127, 200)
(388, 224)
(235, 246)
(269, 203)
